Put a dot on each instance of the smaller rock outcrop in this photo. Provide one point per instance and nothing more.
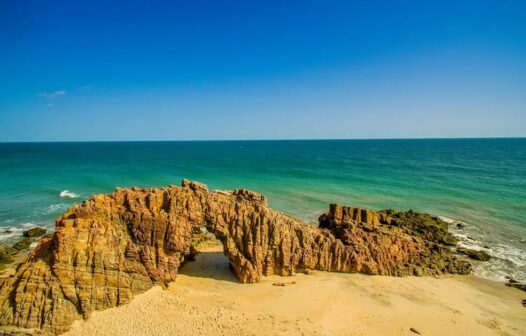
(474, 254)
(23, 244)
(35, 232)
(399, 243)
(6, 255)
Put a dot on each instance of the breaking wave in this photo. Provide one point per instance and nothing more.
(68, 194)
(54, 209)
(11, 232)
(506, 260)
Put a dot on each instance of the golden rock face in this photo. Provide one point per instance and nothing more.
(112, 247)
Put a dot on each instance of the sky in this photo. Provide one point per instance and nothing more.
(225, 70)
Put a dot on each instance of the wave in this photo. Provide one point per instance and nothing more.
(7, 233)
(447, 220)
(54, 208)
(506, 260)
(68, 194)
(11, 233)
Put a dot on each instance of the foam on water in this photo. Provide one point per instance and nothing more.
(11, 234)
(447, 220)
(68, 194)
(506, 261)
(57, 208)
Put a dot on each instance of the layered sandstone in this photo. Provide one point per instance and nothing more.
(112, 247)
(261, 241)
(103, 252)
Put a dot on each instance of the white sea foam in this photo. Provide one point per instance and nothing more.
(7, 233)
(68, 194)
(447, 220)
(11, 234)
(506, 260)
(54, 208)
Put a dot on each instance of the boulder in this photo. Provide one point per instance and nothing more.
(34, 232)
(474, 254)
(461, 225)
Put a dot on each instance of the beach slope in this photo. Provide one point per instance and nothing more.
(207, 299)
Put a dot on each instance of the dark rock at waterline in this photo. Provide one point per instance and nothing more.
(519, 285)
(6, 254)
(35, 232)
(474, 254)
(23, 244)
(516, 284)
(461, 225)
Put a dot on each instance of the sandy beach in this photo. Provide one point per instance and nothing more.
(207, 299)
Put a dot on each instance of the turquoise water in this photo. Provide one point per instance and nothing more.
(481, 182)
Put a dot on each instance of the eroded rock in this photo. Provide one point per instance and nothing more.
(260, 241)
(103, 252)
(112, 247)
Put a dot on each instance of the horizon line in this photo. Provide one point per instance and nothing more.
(248, 140)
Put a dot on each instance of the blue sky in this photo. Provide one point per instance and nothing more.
(179, 70)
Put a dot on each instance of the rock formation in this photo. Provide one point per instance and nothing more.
(103, 252)
(261, 241)
(112, 247)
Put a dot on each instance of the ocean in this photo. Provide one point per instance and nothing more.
(479, 182)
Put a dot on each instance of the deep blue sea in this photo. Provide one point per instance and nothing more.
(480, 182)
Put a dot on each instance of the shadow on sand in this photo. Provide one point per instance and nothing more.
(210, 265)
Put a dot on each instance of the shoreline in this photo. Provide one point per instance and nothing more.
(207, 299)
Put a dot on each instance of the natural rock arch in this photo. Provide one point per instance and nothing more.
(112, 247)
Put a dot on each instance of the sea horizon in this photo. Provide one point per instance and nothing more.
(269, 139)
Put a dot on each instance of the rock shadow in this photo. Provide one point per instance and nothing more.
(210, 265)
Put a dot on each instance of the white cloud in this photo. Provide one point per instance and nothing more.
(52, 95)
